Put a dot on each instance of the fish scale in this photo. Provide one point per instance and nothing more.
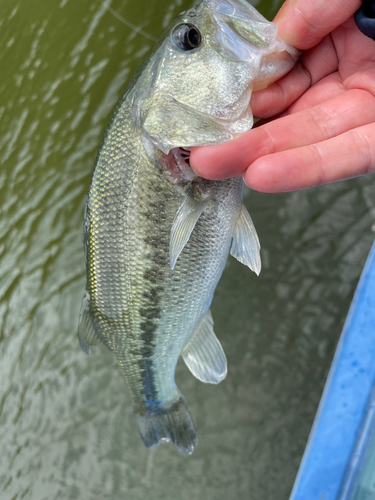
(157, 236)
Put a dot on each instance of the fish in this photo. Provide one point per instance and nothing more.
(156, 235)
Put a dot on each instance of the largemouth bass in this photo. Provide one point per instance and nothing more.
(156, 236)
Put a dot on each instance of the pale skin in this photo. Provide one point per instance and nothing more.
(323, 112)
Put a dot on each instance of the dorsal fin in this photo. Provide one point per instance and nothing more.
(204, 355)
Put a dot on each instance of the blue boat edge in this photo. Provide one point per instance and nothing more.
(345, 418)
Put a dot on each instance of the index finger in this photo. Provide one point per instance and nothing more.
(343, 112)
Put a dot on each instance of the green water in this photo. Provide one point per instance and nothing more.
(66, 425)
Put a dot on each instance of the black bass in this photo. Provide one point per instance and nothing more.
(156, 235)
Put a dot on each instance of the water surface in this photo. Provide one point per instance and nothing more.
(66, 426)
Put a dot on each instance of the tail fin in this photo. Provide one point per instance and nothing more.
(170, 424)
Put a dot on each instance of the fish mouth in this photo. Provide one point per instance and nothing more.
(179, 160)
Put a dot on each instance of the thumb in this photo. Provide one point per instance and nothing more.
(303, 23)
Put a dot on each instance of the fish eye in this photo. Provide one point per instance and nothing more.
(186, 36)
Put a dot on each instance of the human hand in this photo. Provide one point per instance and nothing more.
(324, 129)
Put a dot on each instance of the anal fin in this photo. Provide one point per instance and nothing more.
(204, 355)
(87, 334)
(245, 245)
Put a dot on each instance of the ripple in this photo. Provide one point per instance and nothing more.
(66, 424)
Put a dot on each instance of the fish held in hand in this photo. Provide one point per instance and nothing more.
(157, 236)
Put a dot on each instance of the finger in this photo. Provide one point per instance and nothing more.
(342, 157)
(348, 110)
(328, 88)
(315, 65)
(354, 49)
(278, 96)
(303, 24)
(362, 79)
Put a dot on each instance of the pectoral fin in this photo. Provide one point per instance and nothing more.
(87, 334)
(245, 245)
(204, 355)
(183, 224)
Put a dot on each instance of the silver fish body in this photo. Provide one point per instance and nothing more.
(156, 236)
